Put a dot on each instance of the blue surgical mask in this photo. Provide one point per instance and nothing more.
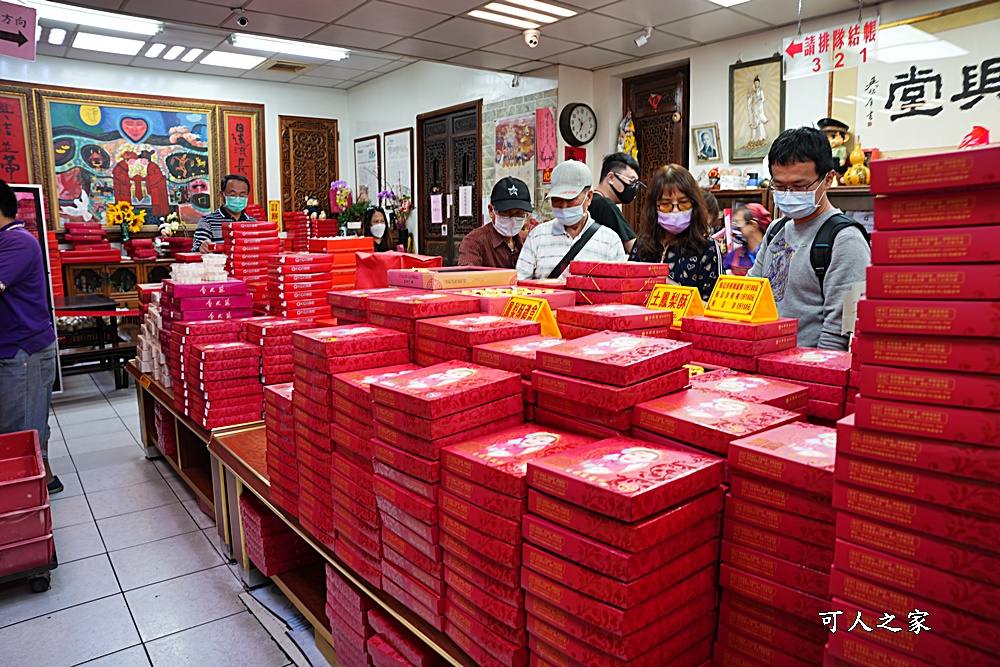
(236, 204)
(796, 205)
(566, 217)
(674, 222)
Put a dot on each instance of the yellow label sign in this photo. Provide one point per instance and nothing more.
(682, 301)
(533, 310)
(743, 299)
(274, 210)
(145, 381)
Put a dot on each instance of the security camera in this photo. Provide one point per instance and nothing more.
(531, 37)
(242, 21)
(641, 40)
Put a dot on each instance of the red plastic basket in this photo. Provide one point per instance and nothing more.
(22, 473)
(26, 555)
(25, 524)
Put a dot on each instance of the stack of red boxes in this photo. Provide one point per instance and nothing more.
(484, 480)
(356, 512)
(222, 387)
(247, 246)
(270, 543)
(620, 555)
(296, 224)
(90, 244)
(854, 378)
(787, 474)
(580, 321)
(352, 305)
(274, 336)
(166, 429)
(737, 345)
(401, 311)
(26, 541)
(452, 338)
(754, 389)
(415, 415)
(916, 482)
(181, 339)
(344, 251)
(392, 645)
(590, 385)
(55, 266)
(606, 282)
(141, 250)
(347, 610)
(825, 372)
(279, 425)
(195, 302)
(256, 211)
(298, 283)
(516, 355)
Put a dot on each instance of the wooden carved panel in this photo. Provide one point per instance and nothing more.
(433, 181)
(308, 160)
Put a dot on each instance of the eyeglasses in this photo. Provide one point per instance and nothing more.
(636, 181)
(518, 218)
(795, 188)
(669, 206)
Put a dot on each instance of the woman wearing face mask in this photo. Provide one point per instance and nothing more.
(673, 229)
(375, 226)
(749, 225)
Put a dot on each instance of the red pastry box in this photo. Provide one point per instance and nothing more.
(753, 388)
(962, 390)
(931, 318)
(708, 420)
(938, 209)
(969, 355)
(934, 281)
(614, 357)
(808, 364)
(493, 300)
(453, 277)
(955, 245)
(348, 340)
(421, 305)
(469, 330)
(444, 389)
(714, 326)
(959, 169)
(615, 317)
(357, 299)
(356, 385)
(516, 355)
(618, 269)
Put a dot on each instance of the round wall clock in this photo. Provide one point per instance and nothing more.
(578, 124)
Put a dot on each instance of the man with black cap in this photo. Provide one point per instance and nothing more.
(498, 244)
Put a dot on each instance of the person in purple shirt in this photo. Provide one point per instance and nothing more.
(27, 340)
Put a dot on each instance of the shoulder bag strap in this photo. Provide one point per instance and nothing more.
(574, 250)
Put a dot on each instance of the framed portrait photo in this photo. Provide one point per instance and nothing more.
(756, 108)
(707, 146)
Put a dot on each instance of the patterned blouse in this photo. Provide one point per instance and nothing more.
(699, 271)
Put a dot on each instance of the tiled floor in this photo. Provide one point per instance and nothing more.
(140, 580)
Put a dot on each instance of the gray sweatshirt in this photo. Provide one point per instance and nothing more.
(786, 263)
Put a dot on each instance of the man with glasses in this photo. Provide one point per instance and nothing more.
(498, 244)
(815, 253)
(619, 184)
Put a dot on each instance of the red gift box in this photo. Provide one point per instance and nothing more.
(778, 595)
(808, 364)
(477, 518)
(431, 449)
(979, 427)
(744, 348)
(436, 621)
(509, 594)
(421, 552)
(478, 329)
(424, 359)
(617, 270)
(402, 640)
(800, 455)
(458, 553)
(771, 634)
(938, 209)
(516, 355)
(712, 326)
(433, 429)
(421, 305)
(334, 365)
(753, 388)
(943, 318)
(776, 569)
(486, 646)
(445, 389)
(425, 529)
(615, 358)
(941, 388)
(396, 323)
(615, 317)
(808, 629)
(588, 297)
(570, 332)
(482, 496)
(356, 385)
(782, 546)
(436, 349)
(970, 281)
(477, 598)
(957, 245)
(426, 490)
(619, 421)
(608, 396)
(959, 169)
(796, 526)
(558, 420)
(602, 284)
(423, 469)
(969, 355)
(228, 287)
(357, 299)
(781, 497)
(498, 551)
(433, 581)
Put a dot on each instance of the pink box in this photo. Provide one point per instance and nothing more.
(395, 323)
(436, 621)
(753, 388)
(334, 365)
(617, 270)
(477, 518)
(353, 339)
(938, 209)
(808, 364)
(417, 507)
(744, 348)
(431, 449)
(723, 360)
(499, 460)
(713, 326)
(224, 351)
(781, 546)
(445, 389)
(420, 305)
(629, 537)
(776, 569)
(615, 317)
(956, 245)
(619, 421)
(606, 396)
(512, 595)
(708, 419)
(942, 318)
(932, 455)
(772, 593)
(516, 355)
(933, 281)
(474, 650)
(799, 454)
(433, 429)
(426, 490)
(227, 288)
(977, 427)
(469, 330)
(941, 388)
(827, 393)
(412, 547)
(444, 351)
(795, 526)
(493, 300)
(402, 640)
(781, 497)
(970, 355)
(615, 358)
(625, 478)
(424, 359)
(601, 284)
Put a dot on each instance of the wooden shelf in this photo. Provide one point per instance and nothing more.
(306, 589)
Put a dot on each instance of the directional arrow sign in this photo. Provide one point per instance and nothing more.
(822, 51)
(17, 31)
(794, 48)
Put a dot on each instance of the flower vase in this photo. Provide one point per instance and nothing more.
(125, 239)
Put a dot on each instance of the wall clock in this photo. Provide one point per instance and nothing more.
(578, 124)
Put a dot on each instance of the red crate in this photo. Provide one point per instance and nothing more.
(26, 555)
(26, 524)
(22, 473)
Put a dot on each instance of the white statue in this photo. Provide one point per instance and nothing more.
(755, 107)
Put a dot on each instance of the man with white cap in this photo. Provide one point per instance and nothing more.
(572, 233)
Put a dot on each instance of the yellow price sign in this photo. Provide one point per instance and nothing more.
(533, 310)
(274, 210)
(682, 301)
(145, 381)
(743, 299)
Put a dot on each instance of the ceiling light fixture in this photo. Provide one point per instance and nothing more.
(155, 50)
(641, 40)
(88, 17)
(521, 13)
(173, 52)
(56, 36)
(191, 55)
(500, 18)
(544, 7)
(728, 3)
(304, 49)
(103, 44)
(233, 60)
(905, 43)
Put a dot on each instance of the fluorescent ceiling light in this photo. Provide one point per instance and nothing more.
(192, 54)
(728, 3)
(522, 13)
(38, 32)
(155, 50)
(500, 18)
(66, 14)
(173, 52)
(543, 7)
(104, 44)
(234, 60)
(905, 43)
(304, 49)
(57, 36)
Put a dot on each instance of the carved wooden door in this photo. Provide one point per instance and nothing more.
(308, 160)
(659, 107)
(449, 158)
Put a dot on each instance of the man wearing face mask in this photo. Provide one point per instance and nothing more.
(572, 233)
(234, 192)
(498, 244)
(619, 185)
(815, 253)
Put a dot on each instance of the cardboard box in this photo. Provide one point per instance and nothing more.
(500, 552)
(957, 245)
(607, 396)
(968, 355)
(353, 339)
(954, 170)
(515, 355)
(808, 629)
(796, 526)
(421, 305)
(735, 648)
(445, 389)
(629, 537)
(452, 277)
(709, 420)
(479, 519)
(932, 281)
(977, 427)
(615, 317)
(941, 388)
(465, 590)
(799, 455)
(781, 497)
(618, 421)
(431, 449)
(808, 364)
(744, 348)
(614, 358)
(723, 360)
(771, 634)
(617, 270)
(938, 456)
(436, 350)
(484, 497)
(493, 300)
(713, 326)
(602, 284)
(433, 429)
(479, 329)
(938, 209)
(932, 318)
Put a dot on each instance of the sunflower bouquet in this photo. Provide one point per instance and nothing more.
(124, 215)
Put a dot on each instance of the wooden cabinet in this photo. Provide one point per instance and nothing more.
(117, 280)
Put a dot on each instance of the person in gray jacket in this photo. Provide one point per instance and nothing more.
(801, 164)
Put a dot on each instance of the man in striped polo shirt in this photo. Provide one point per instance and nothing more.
(234, 190)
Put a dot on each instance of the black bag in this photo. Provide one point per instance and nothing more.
(574, 250)
(822, 246)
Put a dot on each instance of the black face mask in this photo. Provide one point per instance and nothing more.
(628, 192)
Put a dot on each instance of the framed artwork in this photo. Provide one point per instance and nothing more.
(399, 162)
(367, 168)
(707, 147)
(244, 147)
(756, 108)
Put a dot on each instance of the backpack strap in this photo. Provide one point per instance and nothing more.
(822, 247)
(772, 231)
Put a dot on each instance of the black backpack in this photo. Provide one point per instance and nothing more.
(822, 247)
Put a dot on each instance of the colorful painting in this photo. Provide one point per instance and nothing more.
(515, 148)
(156, 159)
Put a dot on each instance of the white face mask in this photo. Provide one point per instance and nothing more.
(567, 217)
(508, 226)
(378, 230)
(797, 205)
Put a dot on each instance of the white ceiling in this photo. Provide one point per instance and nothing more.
(390, 34)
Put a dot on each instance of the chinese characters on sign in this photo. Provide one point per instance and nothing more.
(742, 298)
(918, 92)
(533, 310)
(239, 142)
(682, 301)
(17, 30)
(916, 622)
(13, 147)
(831, 49)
